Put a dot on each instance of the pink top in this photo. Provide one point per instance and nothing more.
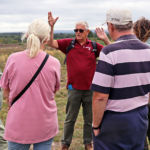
(33, 118)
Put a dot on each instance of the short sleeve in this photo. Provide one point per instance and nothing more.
(63, 44)
(104, 76)
(4, 82)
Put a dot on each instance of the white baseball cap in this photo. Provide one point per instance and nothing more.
(118, 15)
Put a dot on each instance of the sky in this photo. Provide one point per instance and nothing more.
(16, 15)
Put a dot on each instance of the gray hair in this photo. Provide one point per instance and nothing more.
(38, 32)
(125, 27)
(83, 23)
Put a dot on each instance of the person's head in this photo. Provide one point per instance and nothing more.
(81, 30)
(37, 35)
(141, 29)
(119, 19)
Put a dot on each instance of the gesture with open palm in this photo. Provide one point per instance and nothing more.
(102, 35)
(51, 19)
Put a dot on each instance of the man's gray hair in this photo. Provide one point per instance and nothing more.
(125, 27)
(83, 23)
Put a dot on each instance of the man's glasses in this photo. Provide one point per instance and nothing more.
(80, 30)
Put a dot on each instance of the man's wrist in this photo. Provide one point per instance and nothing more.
(107, 42)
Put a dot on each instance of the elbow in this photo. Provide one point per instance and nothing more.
(100, 97)
(6, 93)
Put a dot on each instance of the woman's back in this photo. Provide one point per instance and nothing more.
(33, 118)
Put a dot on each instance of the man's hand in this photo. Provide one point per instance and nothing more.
(51, 20)
(96, 132)
(53, 43)
(102, 35)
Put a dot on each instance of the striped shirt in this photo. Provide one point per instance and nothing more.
(123, 72)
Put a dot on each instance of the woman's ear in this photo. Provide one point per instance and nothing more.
(46, 40)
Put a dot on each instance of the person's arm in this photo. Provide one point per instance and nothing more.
(53, 43)
(57, 74)
(98, 106)
(149, 99)
(6, 95)
(102, 35)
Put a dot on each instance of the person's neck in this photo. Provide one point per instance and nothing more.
(118, 34)
(42, 47)
(82, 41)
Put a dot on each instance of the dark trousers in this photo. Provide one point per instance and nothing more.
(122, 131)
(76, 98)
(148, 131)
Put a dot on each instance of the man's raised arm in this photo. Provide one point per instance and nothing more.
(53, 43)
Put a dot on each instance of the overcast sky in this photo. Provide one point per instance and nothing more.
(16, 15)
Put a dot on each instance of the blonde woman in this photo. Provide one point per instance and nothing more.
(32, 119)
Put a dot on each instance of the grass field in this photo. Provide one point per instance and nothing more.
(61, 98)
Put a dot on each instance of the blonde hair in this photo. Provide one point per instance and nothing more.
(38, 32)
(83, 23)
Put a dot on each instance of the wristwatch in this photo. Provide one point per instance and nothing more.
(96, 128)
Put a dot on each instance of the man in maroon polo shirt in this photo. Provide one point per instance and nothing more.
(81, 66)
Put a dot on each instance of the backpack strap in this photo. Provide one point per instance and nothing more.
(94, 45)
(71, 46)
(31, 81)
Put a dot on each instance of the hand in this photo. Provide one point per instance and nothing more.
(51, 20)
(55, 91)
(101, 34)
(9, 108)
(96, 132)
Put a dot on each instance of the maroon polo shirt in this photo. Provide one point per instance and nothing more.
(80, 63)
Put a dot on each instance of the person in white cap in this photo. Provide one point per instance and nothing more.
(122, 85)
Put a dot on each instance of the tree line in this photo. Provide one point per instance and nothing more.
(14, 38)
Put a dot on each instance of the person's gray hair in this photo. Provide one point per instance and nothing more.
(125, 27)
(83, 23)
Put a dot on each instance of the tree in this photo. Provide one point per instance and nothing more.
(90, 34)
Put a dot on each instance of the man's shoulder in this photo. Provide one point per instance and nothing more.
(65, 40)
(109, 48)
(63, 43)
(126, 44)
(90, 41)
(98, 45)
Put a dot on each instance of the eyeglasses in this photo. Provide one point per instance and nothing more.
(80, 30)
